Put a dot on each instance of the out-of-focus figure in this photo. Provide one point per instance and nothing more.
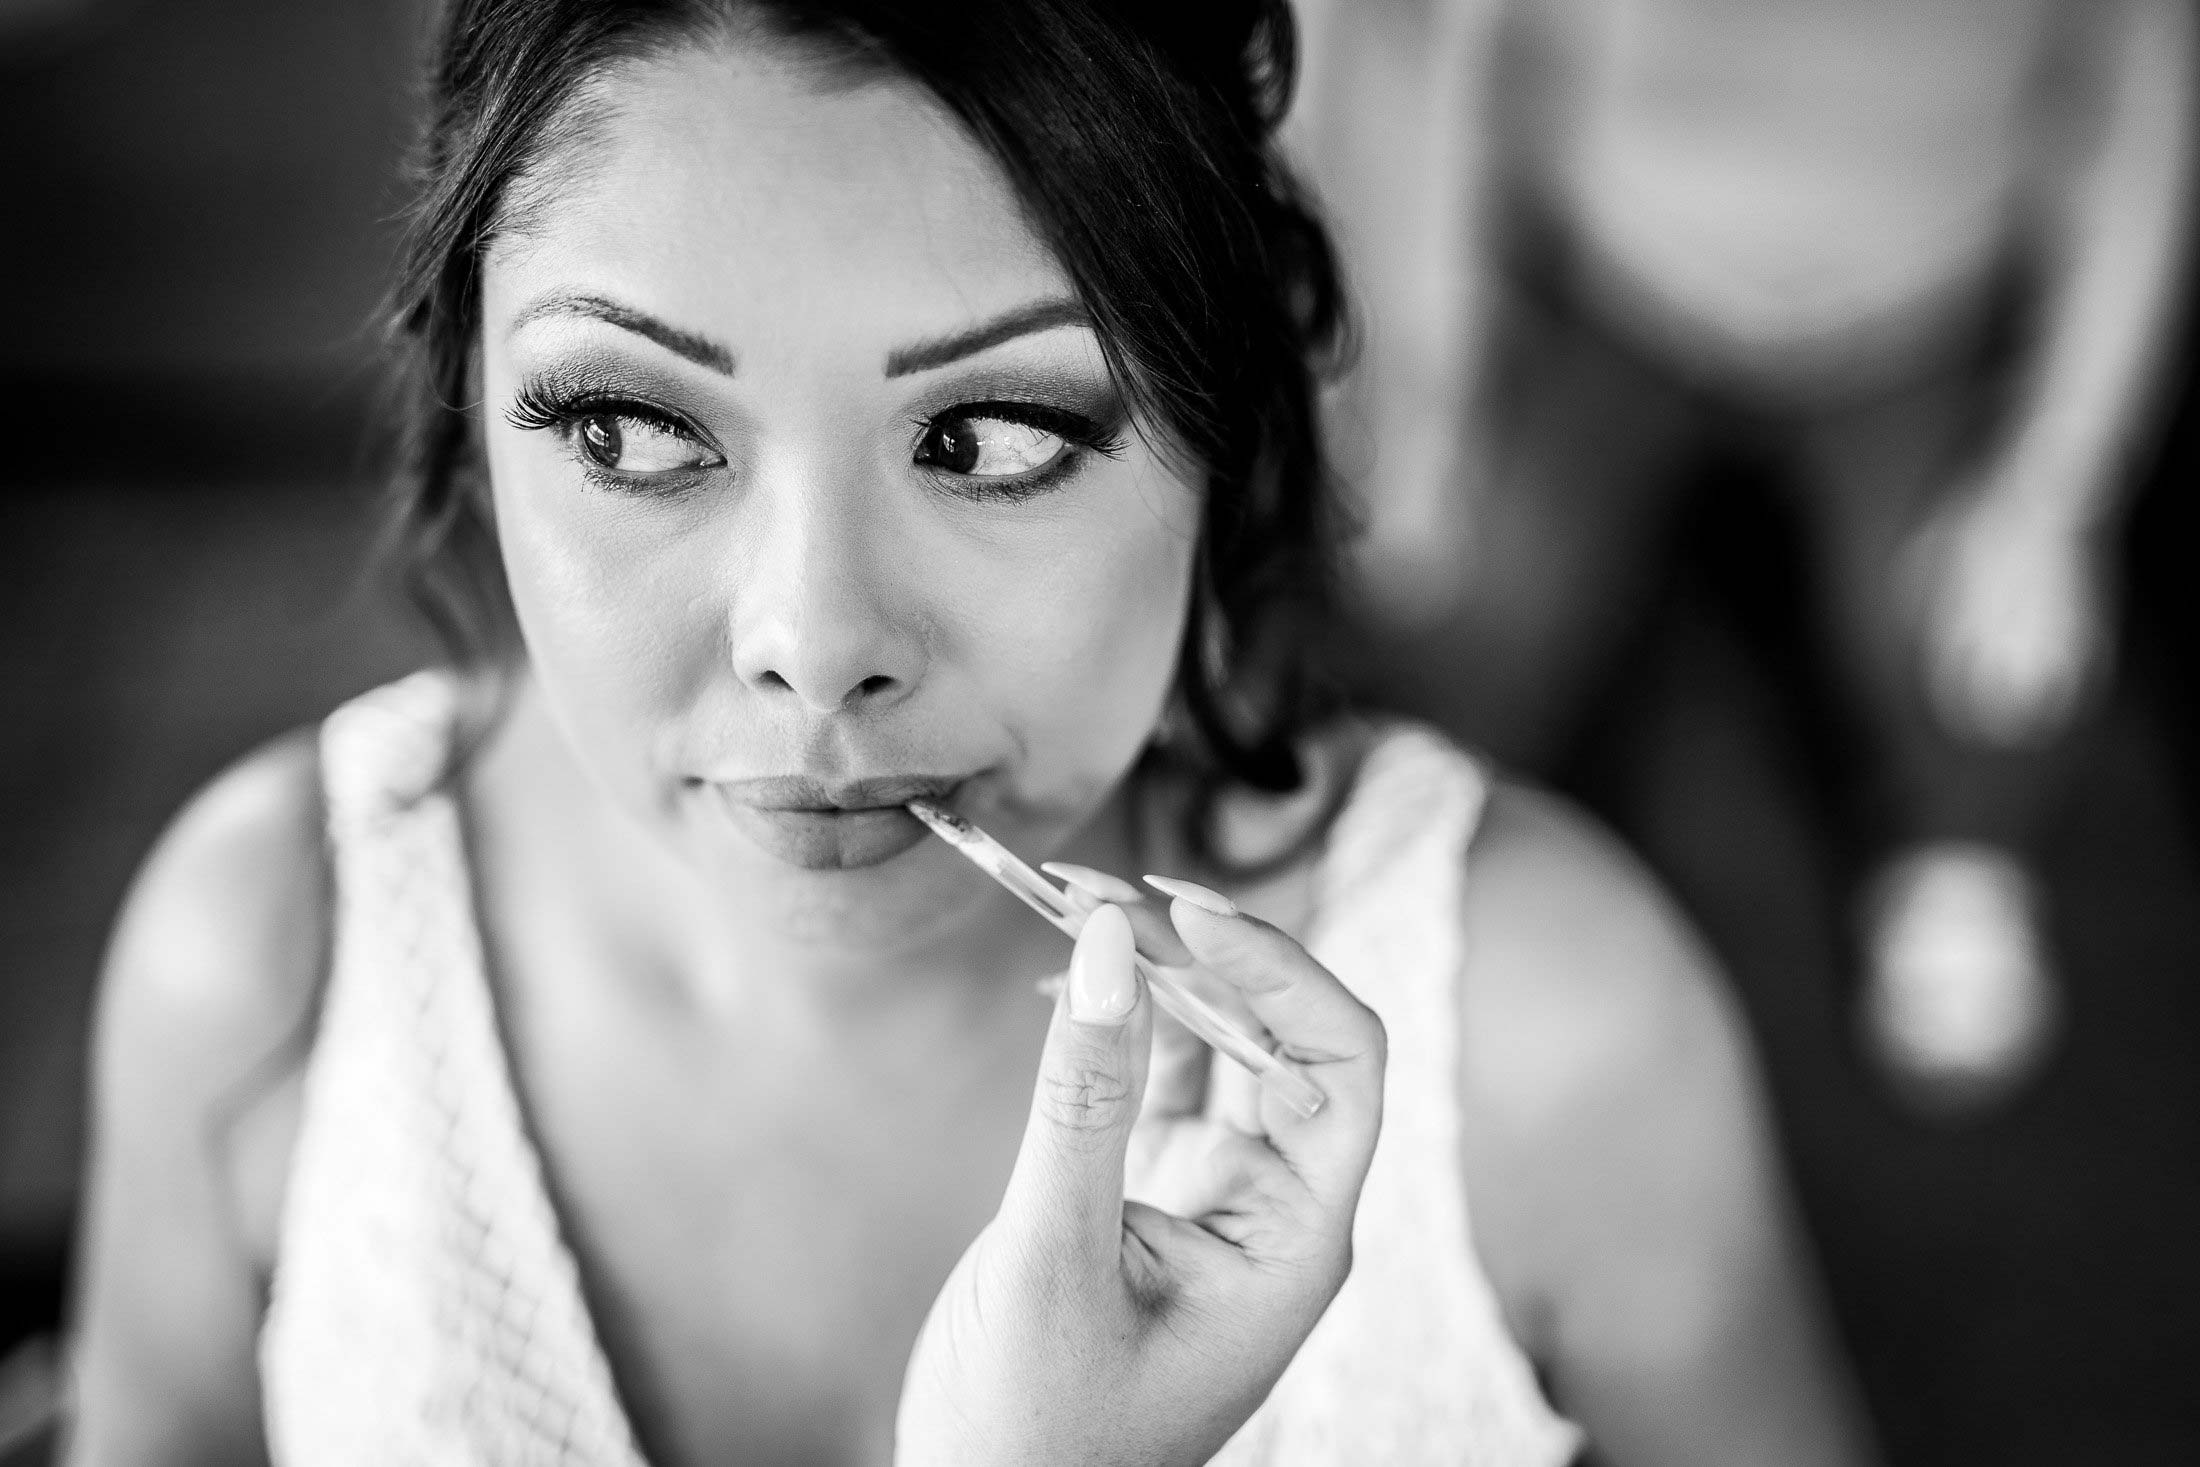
(1917, 259)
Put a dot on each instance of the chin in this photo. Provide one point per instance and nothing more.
(881, 905)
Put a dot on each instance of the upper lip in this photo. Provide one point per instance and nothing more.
(807, 792)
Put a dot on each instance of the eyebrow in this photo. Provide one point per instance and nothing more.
(700, 350)
(1043, 315)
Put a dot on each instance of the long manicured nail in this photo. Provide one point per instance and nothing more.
(1098, 883)
(1102, 983)
(1199, 896)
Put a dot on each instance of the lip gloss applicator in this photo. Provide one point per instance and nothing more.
(1280, 1077)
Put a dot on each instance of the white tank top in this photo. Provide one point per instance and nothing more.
(426, 1309)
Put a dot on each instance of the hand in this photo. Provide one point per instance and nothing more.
(2015, 619)
(1081, 1328)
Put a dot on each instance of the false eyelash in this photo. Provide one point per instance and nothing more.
(1071, 427)
(559, 408)
(537, 405)
(1082, 434)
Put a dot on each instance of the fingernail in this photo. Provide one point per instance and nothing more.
(1102, 983)
(1050, 986)
(1199, 896)
(1107, 888)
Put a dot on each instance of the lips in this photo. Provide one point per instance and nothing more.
(824, 825)
(802, 792)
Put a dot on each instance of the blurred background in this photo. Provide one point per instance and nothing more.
(200, 223)
(1776, 429)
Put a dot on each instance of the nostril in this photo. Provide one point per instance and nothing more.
(878, 684)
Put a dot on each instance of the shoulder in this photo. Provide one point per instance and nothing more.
(1603, 1060)
(208, 991)
(216, 962)
(224, 927)
(1622, 1171)
(1580, 964)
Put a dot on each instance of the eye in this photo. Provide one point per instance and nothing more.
(975, 443)
(621, 443)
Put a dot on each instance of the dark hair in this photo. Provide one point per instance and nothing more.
(1139, 135)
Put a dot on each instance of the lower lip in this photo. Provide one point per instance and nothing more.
(829, 840)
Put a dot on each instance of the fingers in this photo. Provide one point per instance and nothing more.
(1066, 1192)
(1314, 1020)
(1198, 1167)
(1234, 1099)
(1317, 1023)
(1176, 1084)
(1088, 889)
(1177, 1074)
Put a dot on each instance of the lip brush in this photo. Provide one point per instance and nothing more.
(1279, 1076)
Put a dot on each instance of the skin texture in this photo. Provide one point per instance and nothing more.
(819, 606)
(777, 1099)
(1624, 1177)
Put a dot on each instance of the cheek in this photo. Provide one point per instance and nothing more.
(617, 631)
(1091, 649)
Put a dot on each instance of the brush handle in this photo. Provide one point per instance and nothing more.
(1285, 1080)
(1282, 1079)
(1288, 1083)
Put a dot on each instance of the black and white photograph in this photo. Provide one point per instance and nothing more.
(1100, 733)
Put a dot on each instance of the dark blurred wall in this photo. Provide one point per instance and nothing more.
(197, 221)
(199, 215)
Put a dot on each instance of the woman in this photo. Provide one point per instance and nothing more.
(586, 1059)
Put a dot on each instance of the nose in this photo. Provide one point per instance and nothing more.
(817, 615)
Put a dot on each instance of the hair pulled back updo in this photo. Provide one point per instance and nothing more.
(1138, 136)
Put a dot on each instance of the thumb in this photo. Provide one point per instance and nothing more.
(1067, 1189)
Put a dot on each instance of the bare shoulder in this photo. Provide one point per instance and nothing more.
(1585, 983)
(207, 997)
(218, 950)
(1600, 1049)
(214, 973)
(1621, 1164)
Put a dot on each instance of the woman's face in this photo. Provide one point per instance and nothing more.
(815, 492)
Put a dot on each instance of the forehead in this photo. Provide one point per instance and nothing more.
(751, 188)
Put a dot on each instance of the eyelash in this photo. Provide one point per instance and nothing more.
(540, 406)
(1080, 433)
(537, 406)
